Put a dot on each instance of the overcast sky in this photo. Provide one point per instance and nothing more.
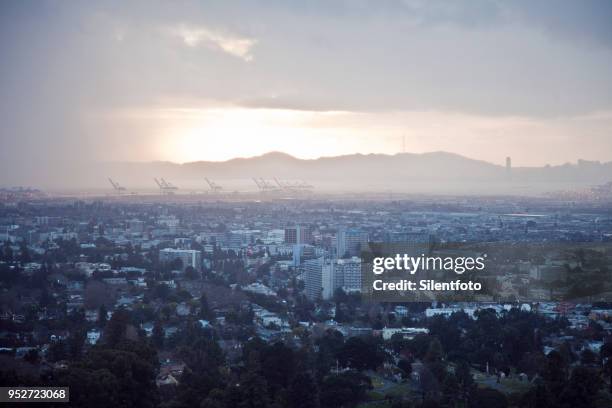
(183, 81)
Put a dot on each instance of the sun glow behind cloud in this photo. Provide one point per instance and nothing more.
(219, 133)
(226, 133)
(186, 131)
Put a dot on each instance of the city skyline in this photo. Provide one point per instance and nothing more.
(306, 204)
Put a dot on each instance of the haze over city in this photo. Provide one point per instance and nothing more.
(107, 82)
(306, 204)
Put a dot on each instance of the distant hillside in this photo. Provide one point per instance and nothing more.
(437, 171)
(437, 166)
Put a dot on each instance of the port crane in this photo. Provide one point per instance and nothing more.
(293, 187)
(214, 187)
(116, 186)
(165, 187)
(264, 185)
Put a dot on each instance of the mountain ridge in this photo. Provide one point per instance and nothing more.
(278, 155)
(374, 167)
(286, 156)
(445, 171)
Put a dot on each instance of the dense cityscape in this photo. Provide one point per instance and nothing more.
(306, 204)
(187, 301)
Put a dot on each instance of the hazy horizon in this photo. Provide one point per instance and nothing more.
(434, 172)
(297, 157)
(87, 82)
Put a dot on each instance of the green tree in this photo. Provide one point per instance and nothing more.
(555, 373)
(57, 351)
(32, 356)
(588, 357)
(303, 391)
(158, 335)
(605, 355)
(76, 342)
(202, 373)
(102, 315)
(205, 311)
(123, 376)
(487, 398)
(360, 354)
(191, 273)
(406, 367)
(277, 366)
(24, 251)
(465, 380)
(450, 391)
(582, 388)
(344, 390)
(434, 352)
(7, 252)
(216, 399)
(253, 385)
(116, 327)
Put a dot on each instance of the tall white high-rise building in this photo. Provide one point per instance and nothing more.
(323, 276)
(349, 242)
(347, 274)
(312, 277)
(318, 278)
(298, 234)
(188, 257)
